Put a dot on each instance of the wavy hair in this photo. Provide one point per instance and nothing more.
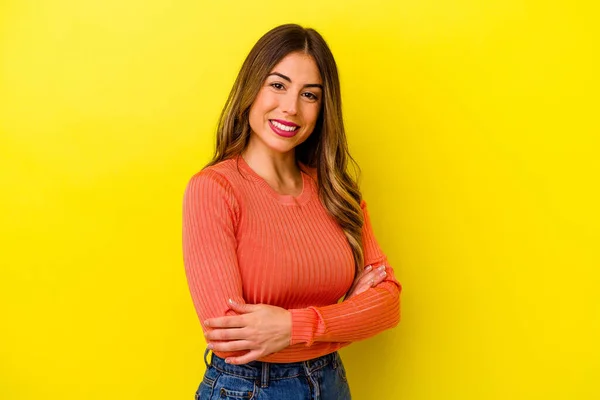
(326, 149)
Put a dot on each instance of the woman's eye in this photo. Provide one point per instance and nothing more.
(277, 86)
(310, 96)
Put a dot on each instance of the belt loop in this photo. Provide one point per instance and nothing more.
(264, 376)
(205, 354)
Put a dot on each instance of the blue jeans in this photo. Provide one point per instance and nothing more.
(322, 378)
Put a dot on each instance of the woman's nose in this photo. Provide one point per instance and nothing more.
(290, 103)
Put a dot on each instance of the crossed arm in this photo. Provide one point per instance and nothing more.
(371, 306)
(261, 329)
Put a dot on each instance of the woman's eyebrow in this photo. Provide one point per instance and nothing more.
(290, 81)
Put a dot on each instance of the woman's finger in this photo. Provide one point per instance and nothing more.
(364, 288)
(230, 321)
(358, 290)
(226, 334)
(368, 280)
(377, 275)
(252, 355)
(357, 279)
(233, 345)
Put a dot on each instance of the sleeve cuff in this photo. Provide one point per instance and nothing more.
(303, 326)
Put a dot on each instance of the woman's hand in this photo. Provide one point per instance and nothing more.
(261, 329)
(368, 278)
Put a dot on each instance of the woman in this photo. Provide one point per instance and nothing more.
(275, 233)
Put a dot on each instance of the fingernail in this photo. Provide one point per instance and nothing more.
(210, 346)
(382, 268)
(383, 273)
(228, 361)
(206, 323)
(231, 301)
(368, 267)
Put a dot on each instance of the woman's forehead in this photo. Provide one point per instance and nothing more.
(299, 68)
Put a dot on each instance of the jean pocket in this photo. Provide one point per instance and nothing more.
(234, 387)
(206, 388)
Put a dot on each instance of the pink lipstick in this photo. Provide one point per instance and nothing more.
(284, 128)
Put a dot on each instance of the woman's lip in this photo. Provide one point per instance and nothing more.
(286, 123)
(281, 132)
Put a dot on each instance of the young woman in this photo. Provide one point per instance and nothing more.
(275, 233)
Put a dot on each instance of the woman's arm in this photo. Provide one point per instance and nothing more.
(359, 317)
(210, 214)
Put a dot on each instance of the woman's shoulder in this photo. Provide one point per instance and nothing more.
(225, 168)
(222, 174)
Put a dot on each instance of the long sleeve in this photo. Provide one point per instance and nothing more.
(359, 317)
(210, 212)
(244, 241)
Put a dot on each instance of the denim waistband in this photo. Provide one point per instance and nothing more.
(265, 371)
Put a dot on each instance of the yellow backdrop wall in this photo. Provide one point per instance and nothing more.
(475, 124)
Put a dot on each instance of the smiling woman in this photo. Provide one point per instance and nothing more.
(287, 107)
(276, 233)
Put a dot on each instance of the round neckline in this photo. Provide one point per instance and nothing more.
(289, 199)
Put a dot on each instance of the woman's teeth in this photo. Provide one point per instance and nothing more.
(284, 127)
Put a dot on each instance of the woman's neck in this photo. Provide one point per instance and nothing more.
(279, 170)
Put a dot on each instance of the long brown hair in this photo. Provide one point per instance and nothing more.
(326, 149)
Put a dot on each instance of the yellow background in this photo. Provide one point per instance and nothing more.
(475, 124)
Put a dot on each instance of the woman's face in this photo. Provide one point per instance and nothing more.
(287, 106)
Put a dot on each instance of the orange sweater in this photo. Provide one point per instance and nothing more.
(243, 240)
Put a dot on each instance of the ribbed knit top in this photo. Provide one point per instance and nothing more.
(243, 240)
